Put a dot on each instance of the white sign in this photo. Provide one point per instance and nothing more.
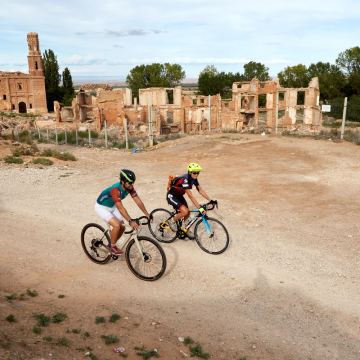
(326, 108)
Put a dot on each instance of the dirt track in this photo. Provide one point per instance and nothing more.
(287, 287)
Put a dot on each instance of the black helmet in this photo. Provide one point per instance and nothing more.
(127, 176)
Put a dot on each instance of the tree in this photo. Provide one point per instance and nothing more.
(349, 62)
(68, 88)
(211, 82)
(154, 75)
(208, 82)
(332, 81)
(294, 76)
(256, 70)
(52, 78)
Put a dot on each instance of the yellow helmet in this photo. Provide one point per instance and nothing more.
(194, 167)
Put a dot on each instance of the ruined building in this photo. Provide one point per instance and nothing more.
(25, 92)
(262, 105)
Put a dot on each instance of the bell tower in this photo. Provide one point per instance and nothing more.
(36, 66)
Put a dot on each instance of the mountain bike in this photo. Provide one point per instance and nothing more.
(144, 256)
(209, 233)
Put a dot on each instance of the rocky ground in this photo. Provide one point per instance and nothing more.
(287, 287)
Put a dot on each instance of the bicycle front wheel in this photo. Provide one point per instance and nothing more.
(159, 228)
(146, 261)
(96, 243)
(215, 239)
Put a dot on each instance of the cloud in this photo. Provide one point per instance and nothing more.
(132, 32)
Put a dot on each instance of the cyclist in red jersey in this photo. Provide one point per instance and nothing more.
(182, 185)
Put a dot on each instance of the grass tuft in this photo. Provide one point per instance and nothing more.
(32, 293)
(146, 353)
(110, 339)
(198, 352)
(114, 317)
(100, 320)
(42, 319)
(63, 341)
(42, 161)
(11, 297)
(37, 330)
(11, 318)
(13, 159)
(58, 317)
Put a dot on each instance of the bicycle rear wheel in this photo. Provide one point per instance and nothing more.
(150, 263)
(96, 243)
(159, 229)
(214, 243)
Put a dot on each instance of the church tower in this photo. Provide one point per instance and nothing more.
(36, 66)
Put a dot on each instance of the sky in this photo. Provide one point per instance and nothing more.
(107, 38)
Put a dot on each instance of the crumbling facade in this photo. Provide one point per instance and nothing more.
(25, 92)
(254, 104)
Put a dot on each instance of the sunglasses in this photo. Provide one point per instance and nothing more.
(195, 173)
(128, 183)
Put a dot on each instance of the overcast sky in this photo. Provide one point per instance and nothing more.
(109, 37)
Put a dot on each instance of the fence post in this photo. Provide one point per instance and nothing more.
(106, 134)
(38, 131)
(209, 121)
(65, 136)
(126, 133)
(56, 136)
(16, 132)
(76, 136)
(150, 122)
(343, 119)
(47, 134)
(89, 133)
(276, 112)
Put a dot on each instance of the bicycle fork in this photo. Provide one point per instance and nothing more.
(207, 226)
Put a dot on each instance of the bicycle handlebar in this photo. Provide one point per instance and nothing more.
(210, 205)
(142, 220)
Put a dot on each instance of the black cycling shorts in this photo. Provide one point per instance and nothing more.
(176, 201)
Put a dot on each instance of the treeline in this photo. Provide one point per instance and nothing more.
(336, 80)
(58, 87)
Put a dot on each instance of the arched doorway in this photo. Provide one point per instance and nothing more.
(22, 107)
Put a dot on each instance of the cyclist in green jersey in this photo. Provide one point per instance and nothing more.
(110, 208)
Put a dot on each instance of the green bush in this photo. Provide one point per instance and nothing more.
(24, 150)
(42, 161)
(13, 160)
(65, 156)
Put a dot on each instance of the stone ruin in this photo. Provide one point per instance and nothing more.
(260, 105)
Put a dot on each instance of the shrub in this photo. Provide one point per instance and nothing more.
(58, 317)
(42, 319)
(114, 318)
(25, 150)
(13, 160)
(32, 293)
(65, 156)
(42, 161)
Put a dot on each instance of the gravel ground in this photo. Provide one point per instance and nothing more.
(287, 287)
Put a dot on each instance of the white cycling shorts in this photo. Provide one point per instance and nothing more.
(107, 213)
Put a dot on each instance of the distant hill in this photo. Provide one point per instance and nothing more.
(116, 82)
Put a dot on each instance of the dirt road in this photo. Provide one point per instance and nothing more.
(288, 287)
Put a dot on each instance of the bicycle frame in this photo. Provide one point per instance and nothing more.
(132, 235)
(195, 219)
